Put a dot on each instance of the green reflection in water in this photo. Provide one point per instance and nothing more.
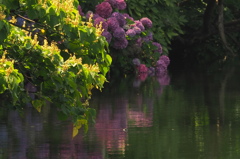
(196, 115)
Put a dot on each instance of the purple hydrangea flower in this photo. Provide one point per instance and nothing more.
(139, 25)
(104, 9)
(137, 30)
(121, 4)
(149, 37)
(95, 16)
(161, 70)
(136, 61)
(130, 32)
(120, 18)
(104, 23)
(112, 23)
(107, 35)
(127, 16)
(161, 63)
(165, 59)
(119, 33)
(120, 43)
(112, 2)
(139, 42)
(146, 22)
(80, 10)
(159, 47)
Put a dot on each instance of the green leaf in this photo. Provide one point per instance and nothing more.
(4, 32)
(32, 13)
(3, 84)
(1, 24)
(51, 11)
(37, 104)
(53, 20)
(129, 21)
(42, 12)
(13, 4)
(109, 59)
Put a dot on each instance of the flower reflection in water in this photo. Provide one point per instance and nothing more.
(120, 109)
(110, 124)
(136, 115)
(117, 113)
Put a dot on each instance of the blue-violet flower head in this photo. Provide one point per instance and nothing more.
(120, 43)
(112, 23)
(107, 35)
(120, 18)
(119, 33)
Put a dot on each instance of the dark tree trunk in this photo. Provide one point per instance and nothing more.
(208, 16)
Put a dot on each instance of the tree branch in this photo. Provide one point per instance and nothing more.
(233, 22)
(221, 27)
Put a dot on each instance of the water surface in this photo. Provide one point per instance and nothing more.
(179, 115)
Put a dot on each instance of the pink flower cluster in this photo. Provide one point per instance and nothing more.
(131, 32)
(160, 68)
(142, 68)
(147, 23)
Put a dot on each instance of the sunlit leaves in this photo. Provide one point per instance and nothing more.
(78, 124)
(10, 78)
(64, 58)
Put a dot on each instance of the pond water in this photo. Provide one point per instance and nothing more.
(180, 115)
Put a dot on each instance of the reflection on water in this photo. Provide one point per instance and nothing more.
(195, 115)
